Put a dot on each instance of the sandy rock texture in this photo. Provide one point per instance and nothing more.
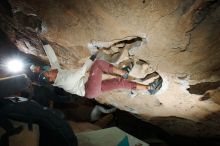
(181, 42)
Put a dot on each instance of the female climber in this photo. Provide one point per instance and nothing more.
(76, 82)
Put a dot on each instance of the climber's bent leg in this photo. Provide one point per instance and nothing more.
(93, 85)
(117, 83)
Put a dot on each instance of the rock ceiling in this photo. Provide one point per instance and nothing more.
(179, 39)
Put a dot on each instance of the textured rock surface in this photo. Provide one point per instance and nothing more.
(182, 44)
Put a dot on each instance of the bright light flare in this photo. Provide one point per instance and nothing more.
(15, 65)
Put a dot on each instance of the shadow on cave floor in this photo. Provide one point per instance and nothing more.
(156, 136)
(152, 134)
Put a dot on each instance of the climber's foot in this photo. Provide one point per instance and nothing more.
(155, 86)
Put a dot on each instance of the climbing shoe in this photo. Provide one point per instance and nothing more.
(155, 86)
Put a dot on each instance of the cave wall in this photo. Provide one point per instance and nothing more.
(182, 43)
